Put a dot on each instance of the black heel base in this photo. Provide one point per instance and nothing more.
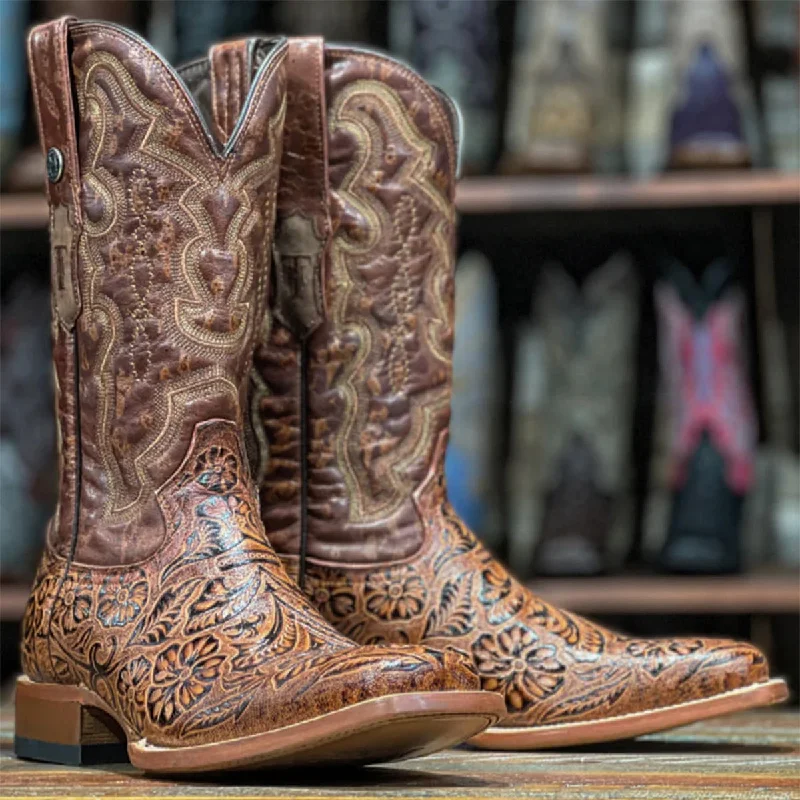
(74, 755)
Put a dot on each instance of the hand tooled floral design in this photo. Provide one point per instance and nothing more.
(182, 674)
(396, 593)
(217, 469)
(76, 596)
(658, 655)
(497, 594)
(121, 599)
(518, 665)
(332, 592)
(132, 683)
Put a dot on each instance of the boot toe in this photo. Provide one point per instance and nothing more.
(398, 669)
(328, 681)
(683, 670)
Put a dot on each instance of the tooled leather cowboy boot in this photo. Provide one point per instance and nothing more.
(160, 615)
(351, 399)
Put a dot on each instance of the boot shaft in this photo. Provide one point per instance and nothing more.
(351, 391)
(161, 235)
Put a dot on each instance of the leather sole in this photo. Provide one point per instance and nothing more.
(627, 726)
(72, 725)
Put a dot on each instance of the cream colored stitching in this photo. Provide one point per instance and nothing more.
(185, 288)
(351, 112)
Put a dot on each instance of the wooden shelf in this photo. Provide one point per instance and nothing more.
(13, 597)
(669, 594)
(499, 195)
(595, 193)
(23, 211)
(735, 594)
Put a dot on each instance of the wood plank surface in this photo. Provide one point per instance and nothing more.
(753, 756)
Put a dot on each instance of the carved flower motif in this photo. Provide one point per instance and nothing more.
(658, 655)
(132, 683)
(332, 593)
(121, 599)
(496, 594)
(217, 469)
(77, 599)
(181, 676)
(397, 593)
(518, 665)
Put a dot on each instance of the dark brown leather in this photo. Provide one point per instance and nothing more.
(303, 222)
(388, 558)
(169, 604)
(302, 237)
(230, 72)
(172, 226)
(378, 385)
(50, 79)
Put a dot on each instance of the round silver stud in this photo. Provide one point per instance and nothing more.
(55, 165)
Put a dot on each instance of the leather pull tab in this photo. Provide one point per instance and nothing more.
(49, 64)
(303, 225)
(231, 70)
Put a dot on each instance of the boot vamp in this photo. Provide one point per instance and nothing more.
(551, 666)
(211, 639)
(303, 685)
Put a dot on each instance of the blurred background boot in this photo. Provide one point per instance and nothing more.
(455, 45)
(589, 332)
(711, 83)
(713, 425)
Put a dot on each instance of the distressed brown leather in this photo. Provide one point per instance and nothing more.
(52, 98)
(388, 560)
(167, 601)
(303, 229)
(230, 73)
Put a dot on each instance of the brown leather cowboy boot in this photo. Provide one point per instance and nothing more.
(351, 401)
(160, 616)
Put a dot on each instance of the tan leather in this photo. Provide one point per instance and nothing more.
(388, 560)
(162, 597)
(209, 639)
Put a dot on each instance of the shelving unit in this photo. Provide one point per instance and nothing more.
(505, 194)
(520, 194)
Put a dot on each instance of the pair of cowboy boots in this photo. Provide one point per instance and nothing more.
(202, 400)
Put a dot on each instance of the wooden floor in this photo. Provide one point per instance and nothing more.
(751, 756)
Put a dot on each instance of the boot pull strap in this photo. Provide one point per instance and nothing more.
(303, 225)
(49, 63)
(231, 72)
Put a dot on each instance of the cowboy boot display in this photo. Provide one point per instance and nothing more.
(351, 400)
(160, 615)
(456, 45)
(589, 332)
(557, 86)
(706, 127)
(713, 421)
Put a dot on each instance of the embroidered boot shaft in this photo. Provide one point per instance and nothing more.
(160, 615)
(351, 398)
